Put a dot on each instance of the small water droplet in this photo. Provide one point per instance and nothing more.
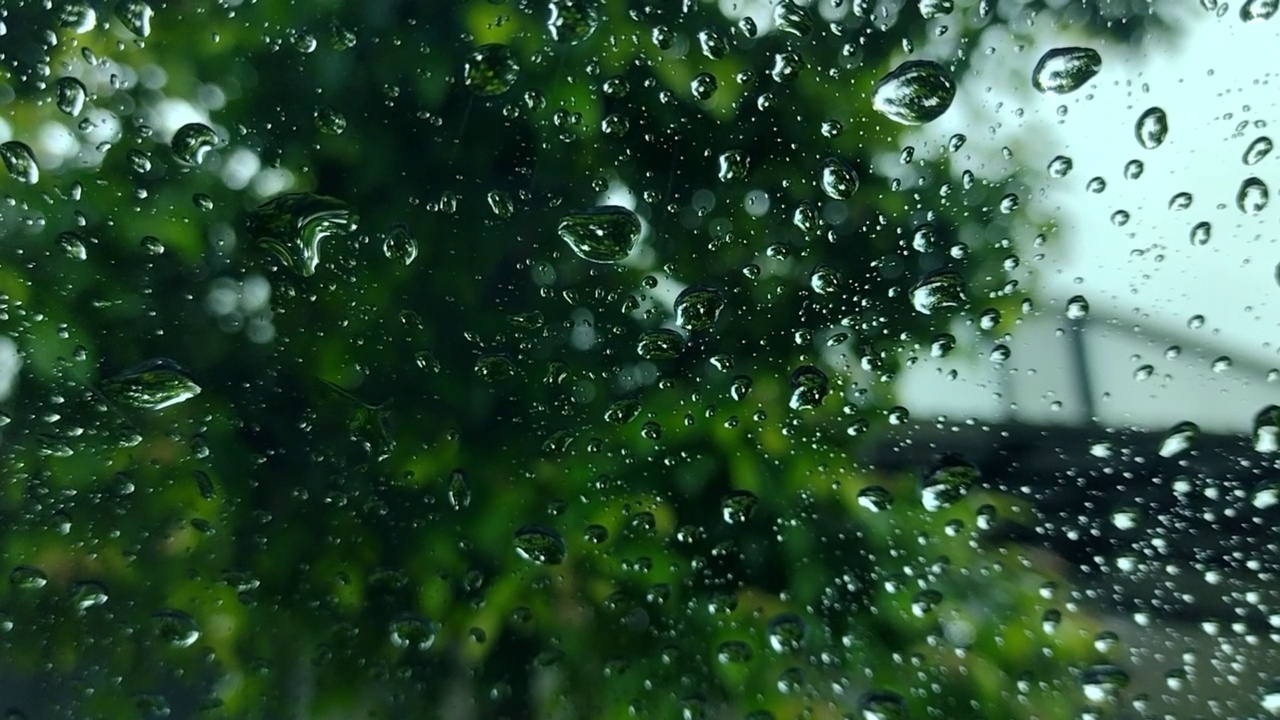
(738, 507)
(399, 246)
(413, 632)
(1152, 128)
(175, 628)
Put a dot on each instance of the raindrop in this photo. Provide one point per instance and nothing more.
(1179, 438)
(175, 628)
(605, 234)
(942, 345)
(88, 594)
(399, 246)
(875, 498)
(1266, 430)
(1134, 169)
(495, 367)
(293, 226)
(1152, 128)
(786, 633)
(1180, 201)
(738, 506)
(1060, 166)
(914, 93)
(572, 21)
(1200, 233)
(703, 86)
(1253, 196)
(1258, 10)
(939, 290)
(1102, 683)
(20, 162)
(662, 344)
(621, 412)
(882, 705)
(734, 165)
(930, 9)
(733, 652)
(540, 545)
(26, 577)
(947, 483)
(809, 387)
(70, 95)
(1259, 149)
(329, 121)
(1077, 307)
(152, 385)
(136, 16)
(192, 142)
(839, 181)
(791, 18)
(413, 632)
(490, 70)
(697, 307)
(1064, 70)
(71, 243)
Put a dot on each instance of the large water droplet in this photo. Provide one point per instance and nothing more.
(540, 545)
(1259, 149)
(490, 70)
(738, 507)
(939, 290)
(605, 234)
(572, 21)
(947, 483)
(786, 633)
(914, 93)
(697, 307)
(1258, 10)
(400, 246)
(151, 385)
(882, 705)
(1179, 439)
(26, 577)
(839, 181)
(733, 165)
(809, 387)
(1266, 430)
(20, 162)
(192, 142)
(1064, 70)
(71, 95)
(1102, 683)
(1077, 307)
(1253, 196)
(1152, 128)
(78, 17)
(293, 226)
(413, 632)
(790, 17)
(175, 628)
(136, 16)
(662, 344)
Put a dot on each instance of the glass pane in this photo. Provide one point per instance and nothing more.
(868, 359)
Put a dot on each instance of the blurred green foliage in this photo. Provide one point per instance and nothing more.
(336, 511)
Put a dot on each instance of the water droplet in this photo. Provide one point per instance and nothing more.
(939, 290)
(494, 368)
(1258, 150)
(662, 344)
(942, 345)
(875, 498)
(175, 628)
(712, 44)
(792, 18)
(738, 506)
(399, 246)
(698, 307)
(152, 385)
(930, 9)
(825, 280)
(20, 162)
(1134, 169)
(1102, 683)
(413, 632)
(192, 142)
(1060, 166)
(1266, 430)
(1077, 307)
(72, 244)
(572, 21)
(540, 545)
(490, 70)
(703, 86)
(948, 483)
(882, 705)
(26, 577)
(88, 594)
(916, 92)
(136, 16)
(1253, 196)
(1152, 128)
(293, 226)
(1180, 201)
(1266, 495)
(78, 17)
(605, 234)
(786, 633)
(621, 412)
(1179, 439)
(1064, 70)
(734, 165)
(70, 95)
(1258, 10)
(329, 121)
(809, 387)
(839, 181)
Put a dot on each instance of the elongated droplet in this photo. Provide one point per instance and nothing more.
(1064, 70)
(916, 92)
(605, 234)
(1258, 10)
(152, 385)
(1257, 151)
(292, 227)
(1152, 128)
(20, 162)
